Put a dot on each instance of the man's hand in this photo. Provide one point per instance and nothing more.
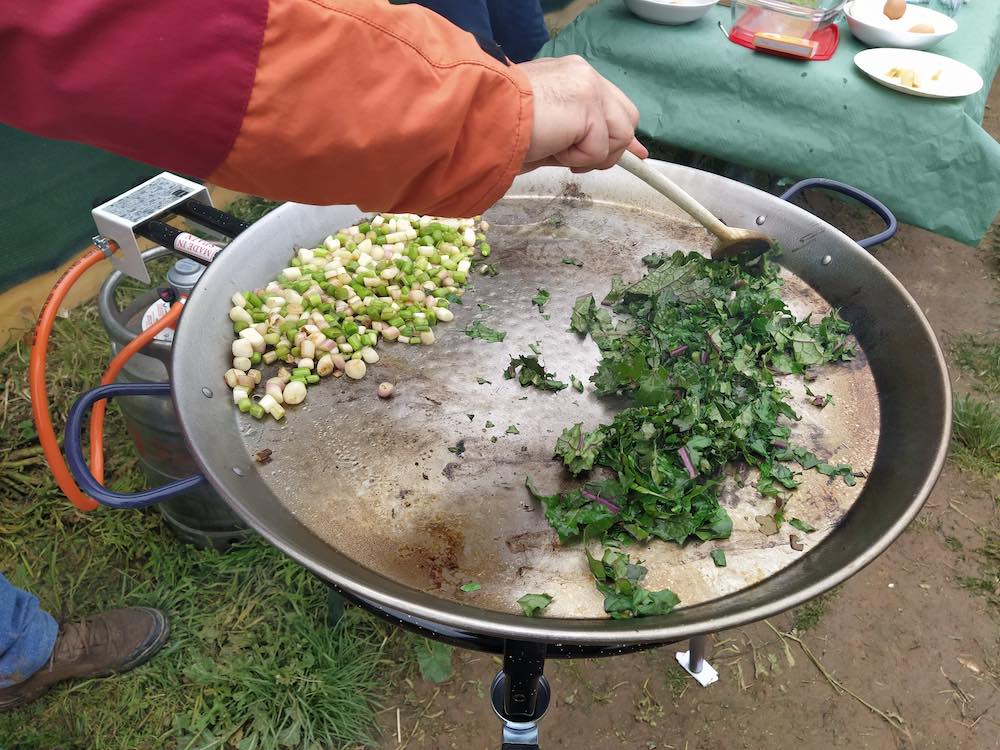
(581, 120)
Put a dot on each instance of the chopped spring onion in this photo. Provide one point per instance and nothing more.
(389, 277)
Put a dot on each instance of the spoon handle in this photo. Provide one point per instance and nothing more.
(664, 185)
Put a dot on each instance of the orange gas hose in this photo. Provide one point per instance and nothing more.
(36, 379)
(115, 367)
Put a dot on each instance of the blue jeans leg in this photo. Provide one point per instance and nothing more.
(27, 634)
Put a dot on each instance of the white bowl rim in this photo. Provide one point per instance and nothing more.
(679, 3)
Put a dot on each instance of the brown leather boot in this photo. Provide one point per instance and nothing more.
(114, 641)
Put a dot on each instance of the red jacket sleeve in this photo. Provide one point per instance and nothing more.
(390, 107)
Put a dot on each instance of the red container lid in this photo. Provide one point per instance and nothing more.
(827, 38)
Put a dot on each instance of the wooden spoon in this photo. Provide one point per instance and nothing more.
(747, 243)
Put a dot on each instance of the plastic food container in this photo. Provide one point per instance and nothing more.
(790, 18)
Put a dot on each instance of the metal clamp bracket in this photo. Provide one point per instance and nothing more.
(520, 694)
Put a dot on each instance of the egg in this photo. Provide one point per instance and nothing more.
(894, 9)
(922, 28)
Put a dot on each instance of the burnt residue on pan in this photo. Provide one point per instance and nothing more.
(376, 480)
(438, 553)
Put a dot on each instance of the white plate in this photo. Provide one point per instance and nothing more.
(955, 79)
(869, 24)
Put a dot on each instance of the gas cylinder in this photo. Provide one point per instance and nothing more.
(199, 517)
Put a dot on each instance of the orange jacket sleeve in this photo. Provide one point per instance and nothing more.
(319, 101)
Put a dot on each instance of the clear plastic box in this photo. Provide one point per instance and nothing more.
(794, 18)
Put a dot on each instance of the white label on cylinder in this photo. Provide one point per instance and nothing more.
(156, 311)
(196, 247)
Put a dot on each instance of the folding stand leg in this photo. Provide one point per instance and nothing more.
(334, 606)
(520, 694)
(694, 663)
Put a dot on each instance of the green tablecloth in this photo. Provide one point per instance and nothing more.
(47, 189)
(929, 160)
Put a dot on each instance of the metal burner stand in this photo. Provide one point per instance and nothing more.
(520, 693)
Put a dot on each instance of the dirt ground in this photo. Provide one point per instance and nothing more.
(903, 656)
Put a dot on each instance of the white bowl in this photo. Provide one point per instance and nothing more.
(670, 12)
(869, 24)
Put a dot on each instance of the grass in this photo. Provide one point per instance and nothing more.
(251, 663)
(249, 208)
(976, 435)
(987, 583)
(677, 680)
(808, 616)
(981, 358)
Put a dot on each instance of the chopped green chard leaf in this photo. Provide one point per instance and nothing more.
(530, 372)
(483, 381)
(534, 604)
(479, 330)
(801, 525)
(512, 430)
(468, 588)
(719, 558)
(694, 346)
(575, 382)
(483, 306)
(620, 581)
(536, 349)
(489, 423)
(579, 449)
(540, 299)
(572, 262)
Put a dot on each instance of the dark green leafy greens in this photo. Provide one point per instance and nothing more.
(479, 330)
(533, 604)
(719, 558)
(569, 261)
(575, 382)
(801, 525)
(530, 372)
(578, 449)
(540, 299)
(696, 350)
(471, 586)
(620, 580)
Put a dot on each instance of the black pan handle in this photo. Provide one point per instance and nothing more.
(73, 445)
(891, 225)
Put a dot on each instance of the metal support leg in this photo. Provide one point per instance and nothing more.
(520, 694)
(334, 606)
(697, 646)
(694, 662)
